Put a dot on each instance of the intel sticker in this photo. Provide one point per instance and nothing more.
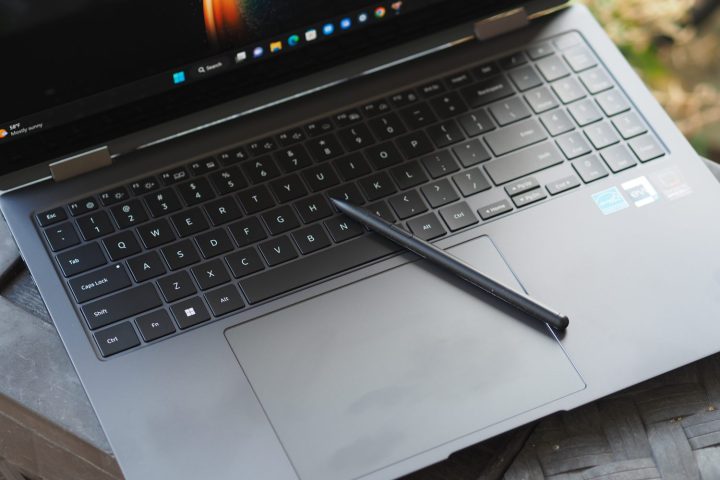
(640, 190)
(610, 201)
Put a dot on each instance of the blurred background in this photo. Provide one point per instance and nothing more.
(675, 47)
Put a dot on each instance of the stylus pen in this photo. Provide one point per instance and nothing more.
(453, 264)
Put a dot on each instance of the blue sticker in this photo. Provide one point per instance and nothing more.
(610, 201)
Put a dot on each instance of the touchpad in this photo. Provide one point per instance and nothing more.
(396, 364)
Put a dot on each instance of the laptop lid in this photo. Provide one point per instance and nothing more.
(83, 74)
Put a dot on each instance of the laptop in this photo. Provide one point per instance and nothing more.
(166, 173)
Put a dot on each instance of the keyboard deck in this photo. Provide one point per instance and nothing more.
(161, 254)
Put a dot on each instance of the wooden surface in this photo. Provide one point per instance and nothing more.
(665, 428)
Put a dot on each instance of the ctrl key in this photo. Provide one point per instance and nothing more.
(116, 339)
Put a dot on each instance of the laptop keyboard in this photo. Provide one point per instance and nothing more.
(200, 241)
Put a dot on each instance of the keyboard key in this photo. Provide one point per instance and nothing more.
(311, 239)
(342, 228)
(213, 243)
(113, 196)
(324, 148)
(189, 222)
(293, 158)
(316, 267)
(261, 147)
(162, 203)
(494, 209)
(201, 167)
(521, 186)
(557, 122)
(458, 216)
(356, 137)
(228, 180)
(602, 135)
(255, 199)
(486, 70)
(525, 78)
(349, 117)
(277, 250)
(146, 266)
(523, 163)
(596, 80)
(471, 153)
(210, 274)
(95, 225)
(585, 112)
(562, 185)
(313, 208)
(82, 206)
(61, 236)
(618, 158)
(222, 210)
(528, 198)
(81, 259)
(156, 233)
(155, 325)
(378, 107)
(568, 90)
(612, 102)
(515, 136)
(579, 58)
(541, 99)
(440, 164)
(175, 175)
(383, 155)
(487, 91)
(590, 168)
(319, 127)
(646, 148)
(567, 40)
(427, 227)
(291, 137)
(100, 282)
(513, 60)
(439, 193)
(382, 210)
(121, 245)
(145, 185)
(431, 89)
(129, 213)
(280, 220)
(404, 98)
(190, 312)
(573, 145)
(121, 305)
(459, 79)
(288, 188)
(244, 262)
(179, 255)
(471, 182)
(418, 116)
(377, 186)
(233, 156)
(476, 123)
(116, 339)
(407, 204)
(386, 127)
(552, 68)
(176, 286)
(247, 231)
(445, 133)
(449, 105)
(224, 300)
(629, 125)
(348, 192)
(414, 144)
(540, 50)
(260, 169)
(409, 175)
(321, 177)
(352, 166)
(51, 217)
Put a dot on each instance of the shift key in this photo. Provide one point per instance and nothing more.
(121, 305)
(515, 137)
(100, 282)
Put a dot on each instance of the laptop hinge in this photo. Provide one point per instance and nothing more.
(500, 24)
(82, 163)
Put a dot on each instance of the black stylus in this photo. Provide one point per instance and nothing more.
(456, 266)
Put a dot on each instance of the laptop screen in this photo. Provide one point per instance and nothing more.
(78, 73)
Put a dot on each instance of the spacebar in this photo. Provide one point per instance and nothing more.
(316, 267)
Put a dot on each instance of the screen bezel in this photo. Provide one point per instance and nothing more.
(129, 119)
